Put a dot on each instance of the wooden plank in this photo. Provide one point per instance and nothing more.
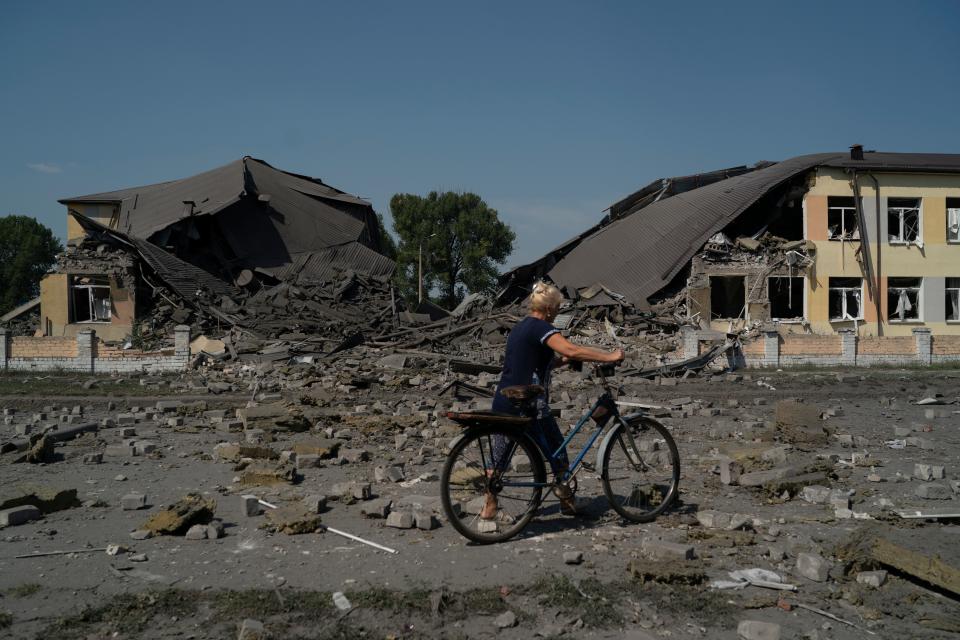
(930, 569)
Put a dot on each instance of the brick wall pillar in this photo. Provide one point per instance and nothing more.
(848, 347)
(181, 342)
(924, 344)
(4, 348)
(691, 342)
(85, 339)
(771, 348)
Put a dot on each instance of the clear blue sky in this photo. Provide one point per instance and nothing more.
(551, 111)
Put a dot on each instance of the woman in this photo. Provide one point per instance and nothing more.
(532, 348)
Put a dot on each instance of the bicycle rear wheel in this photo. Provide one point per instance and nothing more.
(641, 469)
(499, 461)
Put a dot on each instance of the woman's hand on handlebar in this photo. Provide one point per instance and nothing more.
(615, 356)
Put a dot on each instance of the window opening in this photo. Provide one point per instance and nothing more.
(953, 299)
(728, 294)
(89, 299)
(903, 220)
(786, 297)
(846, 298)
(903, 299)
(842, 218)
(953, 219)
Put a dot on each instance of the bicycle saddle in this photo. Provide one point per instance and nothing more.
(522, 392)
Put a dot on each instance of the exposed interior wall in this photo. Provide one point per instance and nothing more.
(102, 213)
(55, 310)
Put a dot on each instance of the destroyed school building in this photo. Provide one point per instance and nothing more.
(144, 265)
(830, 258)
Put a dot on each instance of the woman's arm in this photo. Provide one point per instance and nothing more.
(573, 351)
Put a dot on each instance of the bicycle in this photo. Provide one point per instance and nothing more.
(639, 481)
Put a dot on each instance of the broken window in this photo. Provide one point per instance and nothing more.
(842, 219)
(728, 295)
(903, 220)
(89, 299)
(846, 298)
(953, 299)
(786, 297)
(953, 219)
(903, 299)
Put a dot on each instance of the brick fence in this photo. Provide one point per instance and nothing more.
(846, 348)
(88, 354)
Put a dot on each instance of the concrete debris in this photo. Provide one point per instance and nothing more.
(190, 510)
(292, 520)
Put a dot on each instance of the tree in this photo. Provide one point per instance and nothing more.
(388, 245)
(463, 241)
(27, 250)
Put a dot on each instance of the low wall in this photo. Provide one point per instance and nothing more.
(87, 353)
(772, 349)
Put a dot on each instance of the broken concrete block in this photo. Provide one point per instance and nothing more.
(264, 475)
(190, 510)
(133, 501)
(18, 515)
(813, 567)
(388, 474)
(662, 550)
(573, 557)
(92, 458)
(815, 494)
(873, 579)
(308, 461)
(196, 532)
(120, 451)
(215, 530)
(324, 448)
(760, 478)
(355, 455)
(400, 520)
(352, 490)
(250, 506)
(47, 499)
(252, 630)
(425, 520)
(928, 472)
(730, 471)
(315, 503)
(273, 417)
(933, 491)
(144, 447)
(292, 520)
(758, 630)
(797, 422)
(379, 508)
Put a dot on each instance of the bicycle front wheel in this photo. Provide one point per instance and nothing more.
(641, 469)
(492, 483)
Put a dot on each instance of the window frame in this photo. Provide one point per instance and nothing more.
(919, 306)
(843, 220)
(89, 288)
(831, 289)
(947, 289)
(956, 209)
(901, 210)
(803, 312)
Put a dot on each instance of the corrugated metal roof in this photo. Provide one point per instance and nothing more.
(889, 161)
(326, 264)
(184, 278)
(638, 255)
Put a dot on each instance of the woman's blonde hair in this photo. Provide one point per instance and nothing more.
(545, 297)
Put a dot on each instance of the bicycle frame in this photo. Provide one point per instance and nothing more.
(604, 403)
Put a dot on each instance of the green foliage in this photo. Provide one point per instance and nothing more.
(463, 241)
(388, 246)
(27, 250)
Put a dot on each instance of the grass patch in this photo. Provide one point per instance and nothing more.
(71, 384)
(6, 620)
(24, 590)
(126, 614)
(595, 602)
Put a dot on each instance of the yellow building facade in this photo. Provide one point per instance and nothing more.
(914, 249)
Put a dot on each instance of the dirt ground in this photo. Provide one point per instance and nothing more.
(437, 585)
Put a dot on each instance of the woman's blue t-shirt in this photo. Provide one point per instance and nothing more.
(527, 361)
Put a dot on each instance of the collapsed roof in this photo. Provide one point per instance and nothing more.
(249, 215)
(638, 255)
